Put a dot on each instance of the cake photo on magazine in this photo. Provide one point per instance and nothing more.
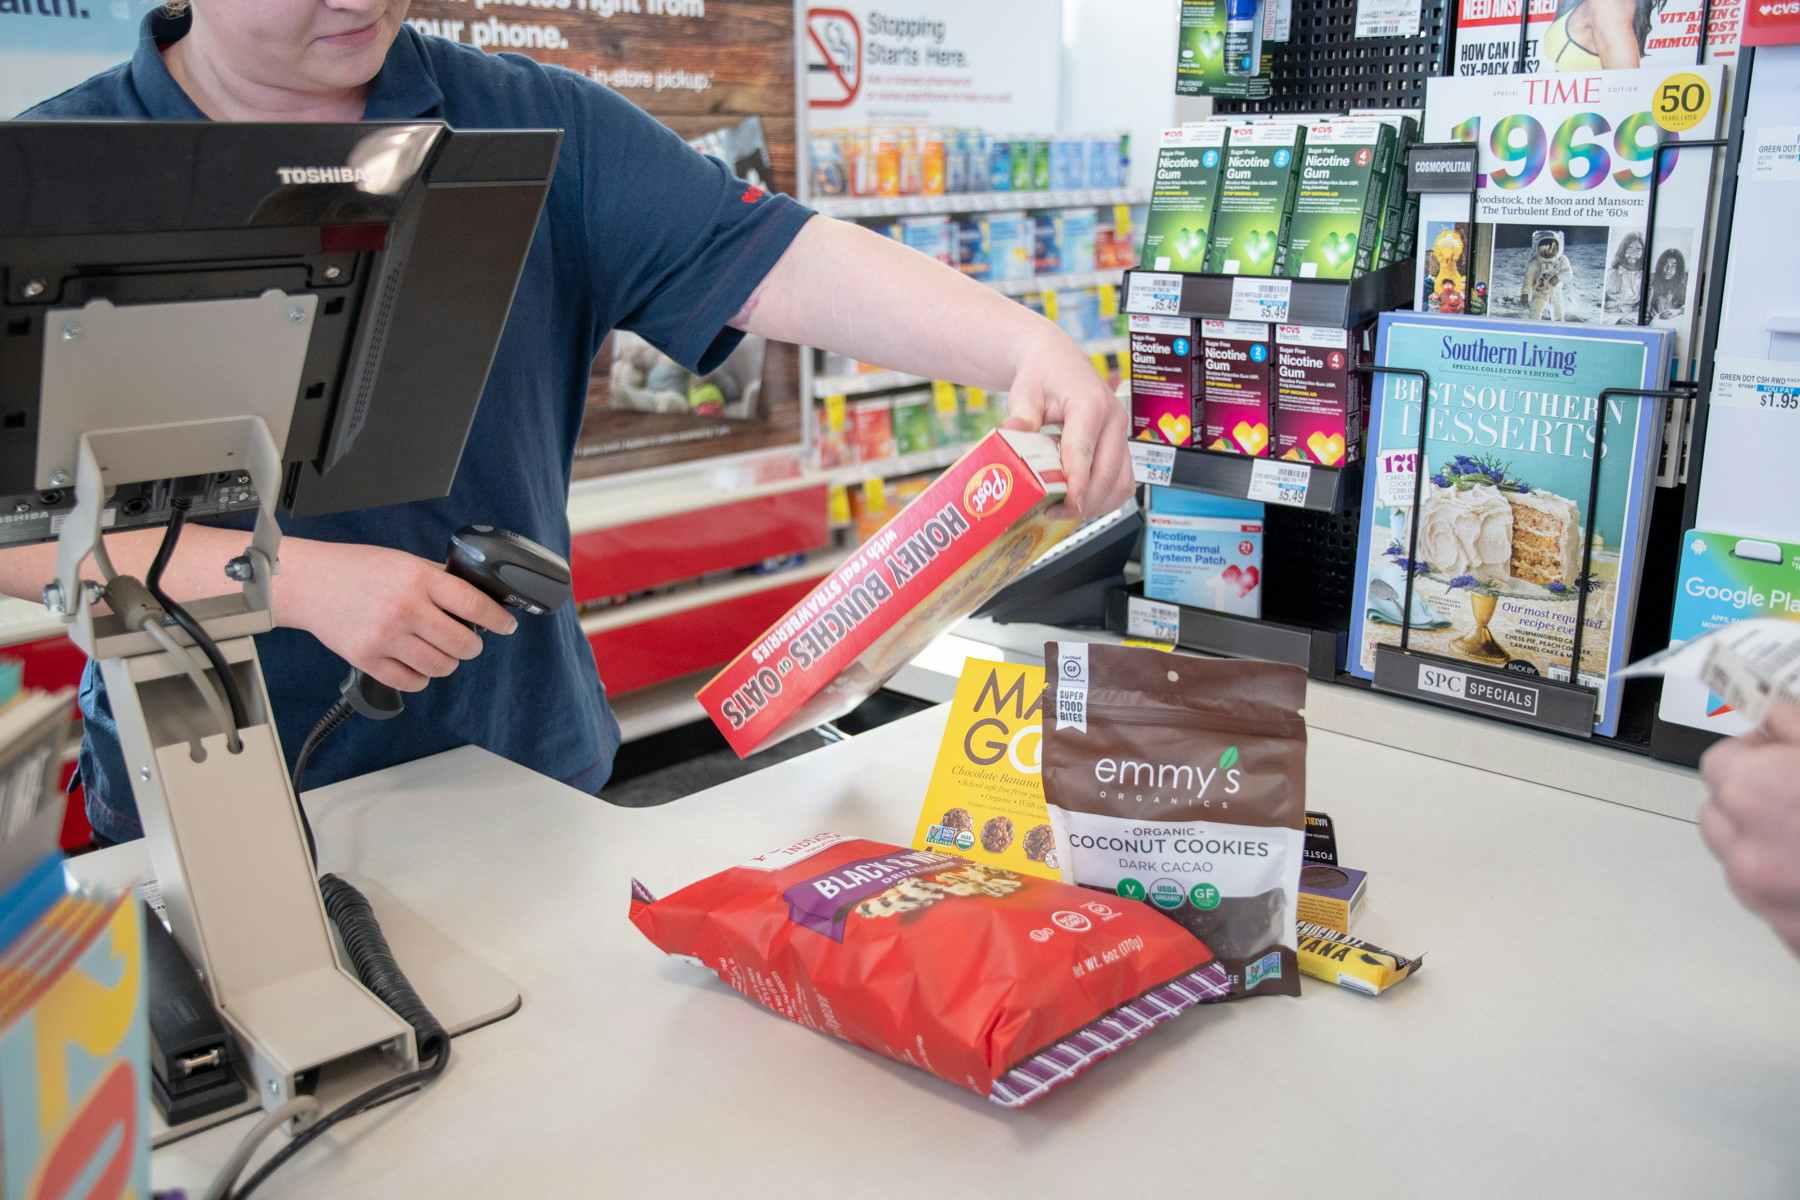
(1496, 538)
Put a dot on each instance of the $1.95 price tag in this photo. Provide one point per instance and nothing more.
(1395, 473)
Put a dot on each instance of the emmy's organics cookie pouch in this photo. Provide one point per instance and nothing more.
(1181, 782)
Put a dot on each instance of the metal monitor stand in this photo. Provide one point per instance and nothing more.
(152, 392)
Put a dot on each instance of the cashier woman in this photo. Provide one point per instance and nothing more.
(639, 233)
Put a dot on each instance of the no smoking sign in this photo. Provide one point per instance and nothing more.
(834, 58)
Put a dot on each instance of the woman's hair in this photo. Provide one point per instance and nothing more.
(1625, 245)
(1674, 285)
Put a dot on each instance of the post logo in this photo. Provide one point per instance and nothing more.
(988, 491)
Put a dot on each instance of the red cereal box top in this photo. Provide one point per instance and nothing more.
(940, 558)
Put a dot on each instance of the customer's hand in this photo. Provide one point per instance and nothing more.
(385, 612)
(1751, 819)
(1057, 385)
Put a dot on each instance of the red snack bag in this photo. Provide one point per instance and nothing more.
(1001, 983)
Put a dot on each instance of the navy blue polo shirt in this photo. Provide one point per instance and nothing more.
(640, 233)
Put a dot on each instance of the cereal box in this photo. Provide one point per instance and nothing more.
(971, 532)
(985, 801)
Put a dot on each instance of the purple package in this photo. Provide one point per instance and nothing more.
(1234, 374)
(1164, 396)
(1318, 395)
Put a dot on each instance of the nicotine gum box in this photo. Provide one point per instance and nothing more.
(971, 532)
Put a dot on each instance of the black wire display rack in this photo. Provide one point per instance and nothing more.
(1310, 551)
(1325, 67)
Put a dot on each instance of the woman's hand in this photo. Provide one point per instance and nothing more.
(385, 612)
(1751, 819)
(1057, 385)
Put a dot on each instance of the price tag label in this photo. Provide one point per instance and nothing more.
(1154, 295)
(1772, 153)
(1765, 385)
(977, 398)
(1109, 302)
(944, 396)
(1260, 299)
(835, 410)
(1387, 18)
(1102, 366)
(1122, 222)
(875, 494)
(838, 500)
(1395, 473)
(1152, 620)
(1274, 481)
(1051, 308)
(1153, 462)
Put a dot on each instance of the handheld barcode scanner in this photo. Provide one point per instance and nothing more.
(513, 570)
(516, 571)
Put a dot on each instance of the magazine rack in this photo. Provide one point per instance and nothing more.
(1515, 692)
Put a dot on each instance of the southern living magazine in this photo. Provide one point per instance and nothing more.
(1564, 180)
(1509, 459)
(1592, 35)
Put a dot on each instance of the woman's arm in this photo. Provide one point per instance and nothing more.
(846, 289)
(385, 611)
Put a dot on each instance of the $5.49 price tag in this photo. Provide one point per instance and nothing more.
(1154, 295)
(1152, 462)
(1254, 299)
(1396, 471)
(1275, 481)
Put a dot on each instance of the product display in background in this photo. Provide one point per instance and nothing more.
(1237, 387)
(1725, 580)
(1189, 164)
(1508, 467)
(896, 161)
(1589, 35)
(938, 560)
(1256, 198)
(1338, 207)
(1204, 551)
(1319, 395)
(1566, 159)
(985, 802)
(725, 80)
(1165, 382)
(1221, 51)
(997, 982)
(1181, 782)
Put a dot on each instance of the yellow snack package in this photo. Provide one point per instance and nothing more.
(1349, 962)
(985, 801)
